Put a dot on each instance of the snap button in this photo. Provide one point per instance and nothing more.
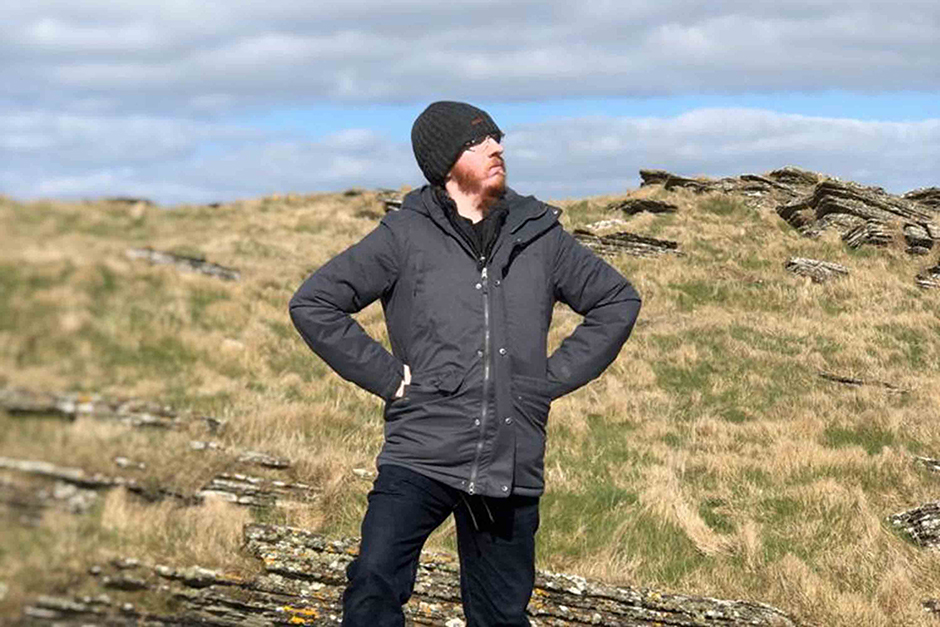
(479, 353)
(497, 282)
(476, 422)
(505, 488)
(502, 351)
(508, 421)
(479, 286)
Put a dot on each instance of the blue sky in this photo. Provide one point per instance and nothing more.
(197, 102)
(319, 120)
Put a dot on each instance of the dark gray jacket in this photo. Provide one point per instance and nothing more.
(473, 335)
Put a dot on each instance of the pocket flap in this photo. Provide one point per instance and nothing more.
(449, 382)
(446, 380)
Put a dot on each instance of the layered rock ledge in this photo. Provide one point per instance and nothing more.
(302, 580)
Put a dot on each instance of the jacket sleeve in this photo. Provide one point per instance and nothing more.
(321, 308)
(609, 304)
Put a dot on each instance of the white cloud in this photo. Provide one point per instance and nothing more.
(184, 161)
(583, 156)
(131, 96)
(92, 140)
(50, 34)
(288, 50)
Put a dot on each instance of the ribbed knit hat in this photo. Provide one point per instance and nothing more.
(440, 133)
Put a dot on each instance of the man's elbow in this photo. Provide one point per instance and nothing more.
(304, 311)
(295, 307)
(629, 310)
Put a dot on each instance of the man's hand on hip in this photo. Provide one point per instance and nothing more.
(405, 381)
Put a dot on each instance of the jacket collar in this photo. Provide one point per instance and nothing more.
(527, 218)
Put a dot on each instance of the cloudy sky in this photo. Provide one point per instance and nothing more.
(212, 100)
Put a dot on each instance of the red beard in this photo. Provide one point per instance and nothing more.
(469, 183)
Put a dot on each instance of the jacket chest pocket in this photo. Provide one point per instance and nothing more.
(527, 294)
(447, 297)
(527, 282)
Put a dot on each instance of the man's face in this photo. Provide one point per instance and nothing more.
(480, 170)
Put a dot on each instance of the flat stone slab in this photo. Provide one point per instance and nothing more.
(391, 200)
(184, 262)
(929, 279)
(131, 411)
(857, 382)
(921, 524)
(244, 457)
(633, 206)
(818, 271)
(257, 491)
(925, 196)
(240, 489)
(625, 242)
(928, 462)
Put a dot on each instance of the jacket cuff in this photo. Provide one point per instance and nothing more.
(391, 387)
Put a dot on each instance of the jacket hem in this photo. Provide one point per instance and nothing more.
(521, 491)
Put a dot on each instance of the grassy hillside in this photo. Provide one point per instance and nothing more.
(710, 458)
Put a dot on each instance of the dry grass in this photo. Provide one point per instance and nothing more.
(209, 535)
(710, 458)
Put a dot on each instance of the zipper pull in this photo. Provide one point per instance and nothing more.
(483, 274)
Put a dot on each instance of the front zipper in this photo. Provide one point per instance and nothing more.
(486, 379)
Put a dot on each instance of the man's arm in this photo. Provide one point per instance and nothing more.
(609, 304)
(321, 308)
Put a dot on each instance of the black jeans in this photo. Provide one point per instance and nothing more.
(495, 541)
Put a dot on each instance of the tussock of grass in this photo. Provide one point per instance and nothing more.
(710, 458)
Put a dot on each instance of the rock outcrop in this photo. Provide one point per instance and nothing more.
(768, 190)
(633, 206)
(243, 457)
(818, 271)
(863, 215)
(184, 262)
(929, 278)
(857, 382)
(626, 242)
(303, 576)
(926, 196)
(70, 483)
(391, 200)
(921, 524)
(813, 203)
(131, 411)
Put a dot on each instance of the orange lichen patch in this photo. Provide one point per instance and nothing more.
(300, 615)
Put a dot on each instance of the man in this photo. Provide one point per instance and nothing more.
(468, 272)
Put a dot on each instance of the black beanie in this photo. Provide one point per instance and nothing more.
(440, 132)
